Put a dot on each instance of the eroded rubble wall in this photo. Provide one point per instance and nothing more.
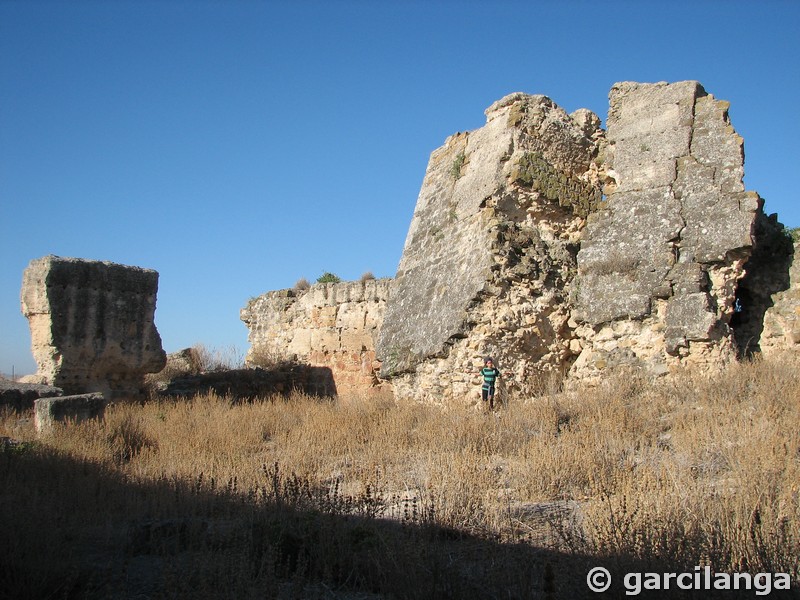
(330, 326)
(92, 325)
(780, 328)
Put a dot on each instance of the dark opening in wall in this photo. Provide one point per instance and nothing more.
(766, 274)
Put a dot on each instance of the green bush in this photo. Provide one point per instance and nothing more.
(328, 277)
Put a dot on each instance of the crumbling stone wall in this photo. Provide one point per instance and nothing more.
(491, 250)
(661, 259)
(780, 327)
(330, 326)
(92, 327)
(559, 248)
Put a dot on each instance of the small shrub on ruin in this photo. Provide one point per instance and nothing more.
(302, 284)
(328, 277)
(458, 165)
(368, 276)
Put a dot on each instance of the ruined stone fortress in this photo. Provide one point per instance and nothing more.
(556, 247)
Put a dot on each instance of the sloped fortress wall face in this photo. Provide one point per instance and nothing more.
(491, 251)
(332, 326)
(92, 324)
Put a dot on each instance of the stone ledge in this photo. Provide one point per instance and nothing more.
(21, 396)
(81, 407)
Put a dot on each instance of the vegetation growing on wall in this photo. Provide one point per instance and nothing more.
(458, 165)
(328, 277)
(533, 171)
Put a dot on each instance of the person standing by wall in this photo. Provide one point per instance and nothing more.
(490, 375)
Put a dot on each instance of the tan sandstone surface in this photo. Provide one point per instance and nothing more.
(92, 324)
(562, 250)
(331, 326)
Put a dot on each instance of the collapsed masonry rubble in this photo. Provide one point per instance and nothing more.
(559, 248)
(188, 373)
(91, 323)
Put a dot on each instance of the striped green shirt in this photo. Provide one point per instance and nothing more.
(489, 376)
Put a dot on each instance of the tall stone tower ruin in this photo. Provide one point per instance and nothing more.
(491, 250)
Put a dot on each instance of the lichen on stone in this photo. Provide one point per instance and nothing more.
(533, 171)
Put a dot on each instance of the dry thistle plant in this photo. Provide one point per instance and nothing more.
(266, 358)
(217, 359)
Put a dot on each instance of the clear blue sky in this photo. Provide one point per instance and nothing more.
(235, 147)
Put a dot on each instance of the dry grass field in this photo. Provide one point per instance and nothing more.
(369, 498)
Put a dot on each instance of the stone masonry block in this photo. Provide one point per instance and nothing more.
(92, 324)
(81, 407)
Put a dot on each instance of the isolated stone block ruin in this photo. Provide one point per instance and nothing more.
(91, 323)
(561, 249)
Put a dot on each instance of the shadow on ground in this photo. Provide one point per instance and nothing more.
(77, 529)
(244, 385)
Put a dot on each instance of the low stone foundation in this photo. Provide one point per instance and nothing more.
(82, 407)
(21, 396)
